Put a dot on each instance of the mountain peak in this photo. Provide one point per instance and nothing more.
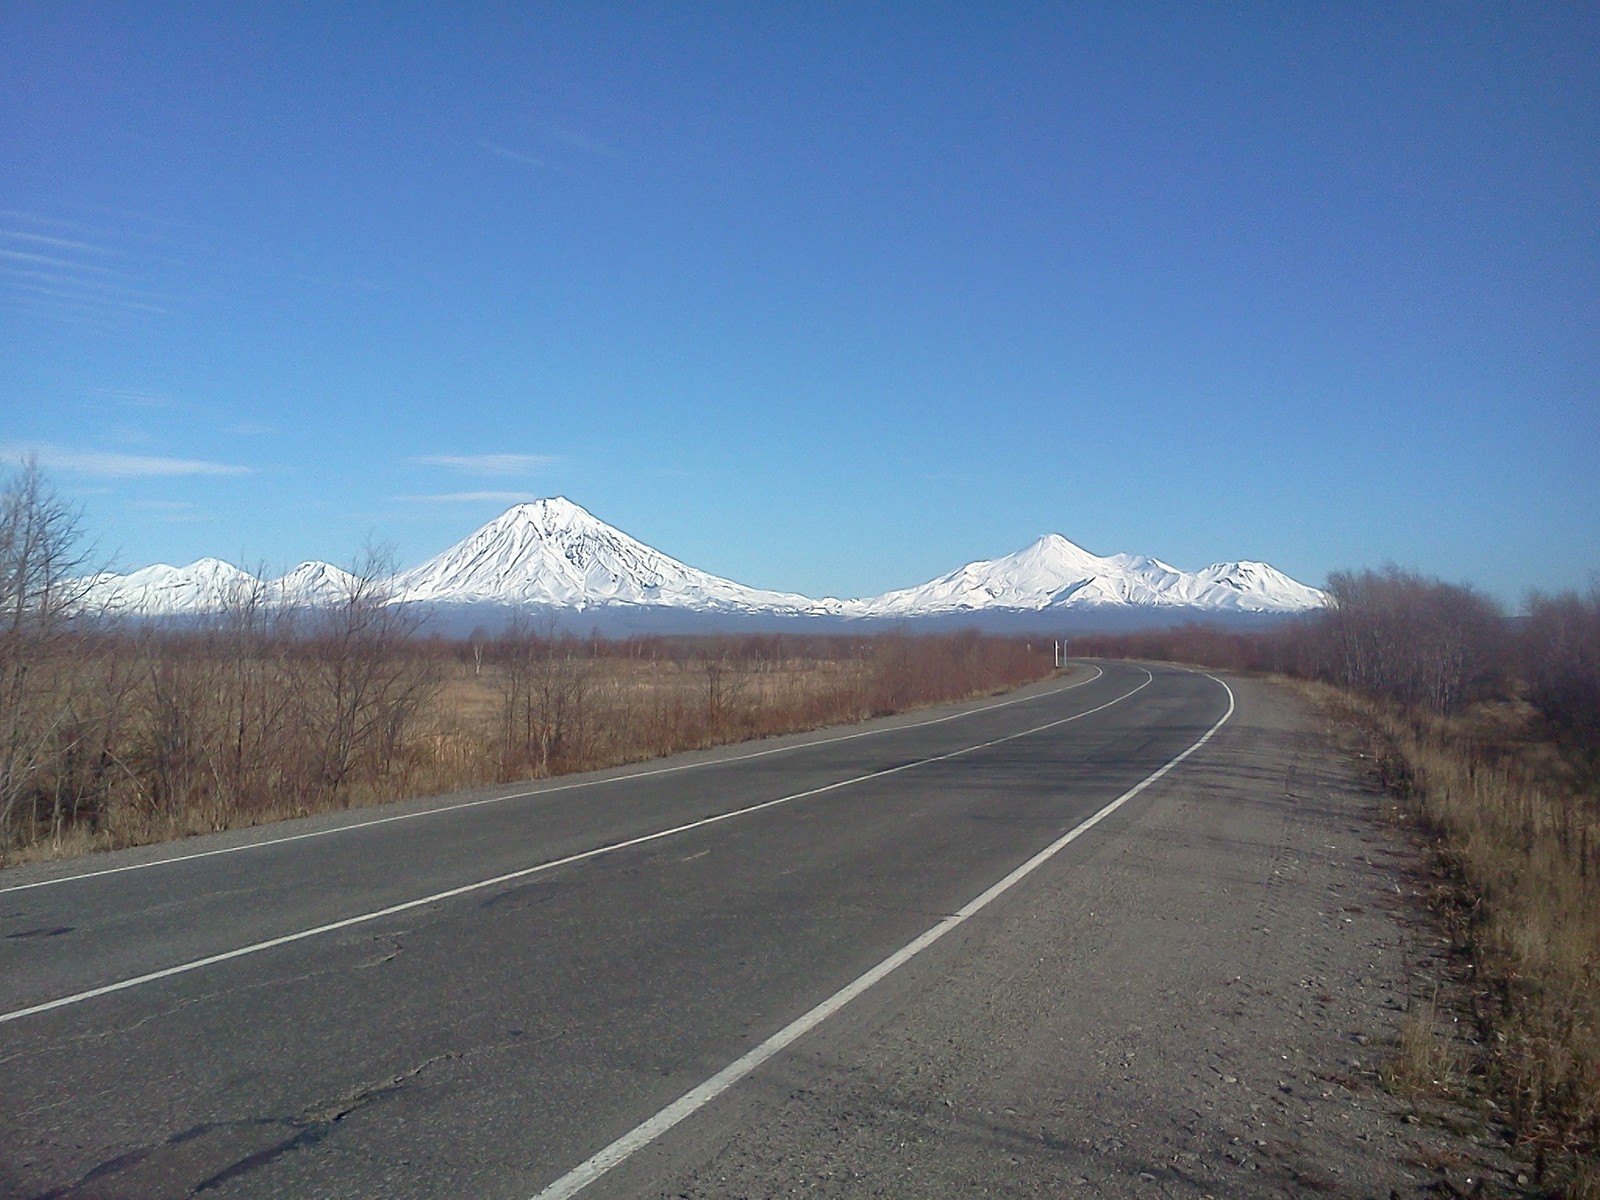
(546, 515)
(1054, 550)
(554, 552)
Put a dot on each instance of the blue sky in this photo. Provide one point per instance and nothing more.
(825, 298)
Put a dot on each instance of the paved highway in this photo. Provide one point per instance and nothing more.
(478, 998)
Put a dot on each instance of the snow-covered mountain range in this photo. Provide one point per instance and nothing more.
(211, 585)
(1054, 573)
(554, 554)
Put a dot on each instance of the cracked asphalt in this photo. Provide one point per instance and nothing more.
(1169, 1007)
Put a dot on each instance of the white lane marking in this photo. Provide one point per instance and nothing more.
(544, 791)
(690, 1102)
(524, 872)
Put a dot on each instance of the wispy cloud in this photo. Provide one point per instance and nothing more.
(134, 397)
(489, 464)
(33, 258)
(577, 139)
(514, 155)
(172, 511)
(473, 498)
(83, 298)
(43, 239)
(111, 465)
(44, 268)
(33, 218)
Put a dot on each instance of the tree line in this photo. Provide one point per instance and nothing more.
(1424, 644)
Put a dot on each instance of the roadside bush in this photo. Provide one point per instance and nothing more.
(1560, 659)
(1417, 641)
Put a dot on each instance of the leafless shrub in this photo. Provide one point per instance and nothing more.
(1560, 658)
(1417, 641)
(42, 594)
(1198, 644)
(362, 681)
(545, 681)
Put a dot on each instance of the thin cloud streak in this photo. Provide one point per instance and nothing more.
(67, 264)
(134, 397)
(32, 218)
(576, 139)
(513, 155)
(111, 465)
(488, 464)
(57, 278)
(474, 498)
(87, 300)
(40, 239)
(172, 512)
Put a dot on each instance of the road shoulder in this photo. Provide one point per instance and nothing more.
(1195, 1002)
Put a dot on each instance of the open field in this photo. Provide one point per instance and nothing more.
(122, 739)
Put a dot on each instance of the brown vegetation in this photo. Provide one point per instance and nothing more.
(113, 735)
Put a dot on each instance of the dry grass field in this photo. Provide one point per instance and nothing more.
(124, 738)
(1516, 844)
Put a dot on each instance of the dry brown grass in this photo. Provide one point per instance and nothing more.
(205, 735)
(1518, 843)
(1427, 1059)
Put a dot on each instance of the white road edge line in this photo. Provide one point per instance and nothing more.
(405, 906)
(690, 1102)
(542, 791)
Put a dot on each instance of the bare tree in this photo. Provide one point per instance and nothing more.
(545, 681)
(365, 680)
(43, 588)
(1418, 641)
(1560, 648)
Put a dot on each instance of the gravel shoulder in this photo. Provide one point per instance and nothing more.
(1194, 1001)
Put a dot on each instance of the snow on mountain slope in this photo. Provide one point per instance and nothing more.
(1262, 587)
(205, 585)
(211, 585)
(1055, 573)
(313, 584)
(552, 552)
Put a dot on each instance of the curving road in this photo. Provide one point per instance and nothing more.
(477, 998)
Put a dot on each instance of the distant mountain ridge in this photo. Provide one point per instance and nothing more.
(1055, 573)
(553, 554)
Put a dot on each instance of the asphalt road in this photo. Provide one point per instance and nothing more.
(475, 998)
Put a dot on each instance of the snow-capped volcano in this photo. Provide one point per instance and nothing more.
(552, 552)
(1055, 573)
